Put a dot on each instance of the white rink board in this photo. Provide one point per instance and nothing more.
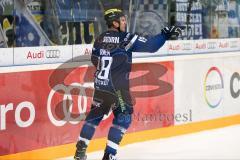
(189, 88)
(82, 52)
(6, 56)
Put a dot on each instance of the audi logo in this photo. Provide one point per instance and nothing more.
(67, 109)
(53, 53)
(187, 46)
(212, 45)
(234, 44)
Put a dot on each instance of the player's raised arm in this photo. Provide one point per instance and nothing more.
(142, 44)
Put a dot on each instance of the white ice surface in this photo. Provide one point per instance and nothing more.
(223, 143)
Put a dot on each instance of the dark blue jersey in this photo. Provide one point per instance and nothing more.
(112, 55)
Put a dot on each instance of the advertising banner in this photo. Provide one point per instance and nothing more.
(45, 108)
(206, 46)
(207, 87)
(180, 47)
(202, 46)
(82, 52)
(42, 55)
(216, 45)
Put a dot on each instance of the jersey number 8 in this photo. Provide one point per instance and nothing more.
(105, 68)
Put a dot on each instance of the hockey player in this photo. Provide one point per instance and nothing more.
(112, 56)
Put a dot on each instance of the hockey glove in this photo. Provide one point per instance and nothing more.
(172, 32)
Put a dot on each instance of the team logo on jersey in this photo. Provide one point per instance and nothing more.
(142, 39)
(107, 39)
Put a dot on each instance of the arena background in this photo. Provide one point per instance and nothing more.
(189, 85)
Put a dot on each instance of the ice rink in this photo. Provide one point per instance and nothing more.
(223, 143)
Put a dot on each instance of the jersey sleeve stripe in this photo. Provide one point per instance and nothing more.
(131, 42)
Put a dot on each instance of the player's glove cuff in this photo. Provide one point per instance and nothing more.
(172, 31)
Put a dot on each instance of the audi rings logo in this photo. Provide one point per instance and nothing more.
(187, 46)
(211, 45)
(213, 87)
(54, 53)
(68, 108)
(234, 44)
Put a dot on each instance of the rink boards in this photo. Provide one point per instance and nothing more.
(172, 95)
